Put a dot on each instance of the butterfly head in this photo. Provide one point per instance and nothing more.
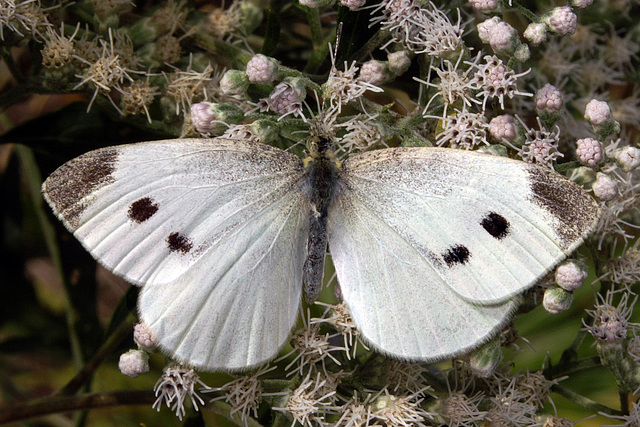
(319, 149)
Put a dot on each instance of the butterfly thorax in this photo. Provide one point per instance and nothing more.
(322, 170)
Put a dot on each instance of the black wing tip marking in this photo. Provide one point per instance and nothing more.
(67, 187)
(576, 211)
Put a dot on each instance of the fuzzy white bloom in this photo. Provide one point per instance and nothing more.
(503, 127)
(610, 322)
(562, 20)
(597, 112)
(462, 410)
(312, 347)
(309, 402)
(589, 151)
(374, 72)
(604, 187)
(581, 4)
(176, 384)
(570, 275)
(419, 27)
(144, 337)
(496, 80)
(399, 62)
(541, 146)
(353, 4)
(400, 410)
(484, 5)
(453, 84)
(549, 98)
(627, 158)
(286, 98)
(463, 129)
(262, 69)
(243, 394)
(556, 300)
(535, 33)
(133, 363)
(510, 407)
(343, 87)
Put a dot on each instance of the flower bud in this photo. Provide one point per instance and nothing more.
(627, 158)
(535, 33)
(262, 69)
(605, 188)
(144, 337)
(399, 62)
(234, 82)
(485, 360)
(134, 363)
(374, 72)
(211, 118)
(571, 274)
(583, 175)
(589, 151)
(557, 300)
(561, 20)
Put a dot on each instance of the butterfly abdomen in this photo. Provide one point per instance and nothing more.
(322, 169)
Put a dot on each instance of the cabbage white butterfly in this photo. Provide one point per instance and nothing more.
(430, 245)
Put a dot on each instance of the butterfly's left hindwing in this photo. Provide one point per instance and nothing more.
(430, 244)
(215, 230)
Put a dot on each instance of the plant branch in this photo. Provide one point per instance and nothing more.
(121, 332)
(585, 402)
(17, 411)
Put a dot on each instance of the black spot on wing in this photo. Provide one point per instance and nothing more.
(69, 187)
(496, 225)
(142, 209)
(456, 255)
(177, 242)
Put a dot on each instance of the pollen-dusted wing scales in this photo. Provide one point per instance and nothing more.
(215, 230)
(431, 244)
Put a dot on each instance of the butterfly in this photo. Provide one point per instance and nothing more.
(430, 245)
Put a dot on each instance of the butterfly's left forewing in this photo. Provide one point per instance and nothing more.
(214, 230)
(430, 244)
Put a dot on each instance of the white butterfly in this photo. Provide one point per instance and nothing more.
(430, 245)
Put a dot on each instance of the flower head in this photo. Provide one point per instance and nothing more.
(176, 384)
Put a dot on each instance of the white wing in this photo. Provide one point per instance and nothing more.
(215, 230)
(430, 244)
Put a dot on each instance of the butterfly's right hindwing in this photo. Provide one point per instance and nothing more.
(215, 230)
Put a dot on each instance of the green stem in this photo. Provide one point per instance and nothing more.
(526, 12)
(313, 18)
(584, 401)
(375, 41)
(221, 48)
(17, 411)
(105, 350)
(31, 175)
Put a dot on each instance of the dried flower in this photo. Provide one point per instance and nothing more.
(610, 322)
(174, 386)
